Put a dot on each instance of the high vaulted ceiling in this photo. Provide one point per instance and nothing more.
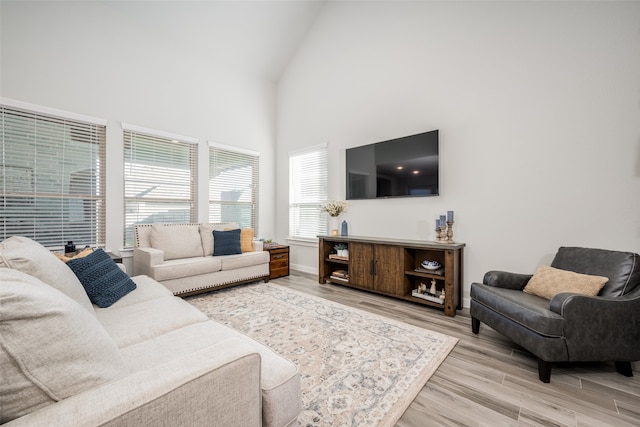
(260, 35)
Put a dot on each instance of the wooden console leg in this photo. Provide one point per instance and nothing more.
(624, 368)
(544, 371)
(475, 325)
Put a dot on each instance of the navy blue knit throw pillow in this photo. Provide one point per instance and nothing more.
(102, 279)
(226, 242)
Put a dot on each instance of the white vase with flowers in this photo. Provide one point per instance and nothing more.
(334, 208)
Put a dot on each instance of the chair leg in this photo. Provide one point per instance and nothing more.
(624, 368)
(544, 371)
(475, 325)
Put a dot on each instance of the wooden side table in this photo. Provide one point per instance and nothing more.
(279, 260)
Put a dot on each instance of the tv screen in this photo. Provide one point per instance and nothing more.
(402, 167)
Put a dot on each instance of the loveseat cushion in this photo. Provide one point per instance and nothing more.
(176, 240)
(187, 267)
(247, 259)
(29, 256)
(104, 282)
(525, 309)
(51, 347)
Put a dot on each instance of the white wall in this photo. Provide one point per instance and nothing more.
(88, 58)
(537, 104)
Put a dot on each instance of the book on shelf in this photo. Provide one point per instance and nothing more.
(439, 272)
(340, 274)
(335, 256)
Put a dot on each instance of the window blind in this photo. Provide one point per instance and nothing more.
(307, 192)
(160, 179)
(52, 180)
(233, 186)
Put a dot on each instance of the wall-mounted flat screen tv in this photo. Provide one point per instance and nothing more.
(401, 167)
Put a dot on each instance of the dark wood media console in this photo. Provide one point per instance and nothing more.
(393, 267)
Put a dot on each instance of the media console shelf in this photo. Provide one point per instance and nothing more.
(393, 268)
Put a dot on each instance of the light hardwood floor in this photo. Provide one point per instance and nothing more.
(487, 380)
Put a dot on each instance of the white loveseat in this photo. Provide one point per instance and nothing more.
(148, 359)
(180, 256)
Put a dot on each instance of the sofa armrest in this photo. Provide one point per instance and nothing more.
(218, 385)
(258, 246)
(599, 328)
(144, 259)
(504, 279)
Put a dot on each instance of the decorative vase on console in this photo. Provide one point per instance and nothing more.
(333, 225)
(334, 208)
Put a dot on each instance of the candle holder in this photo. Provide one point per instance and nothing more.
(437, 234)
(450, 232)
(443, 233)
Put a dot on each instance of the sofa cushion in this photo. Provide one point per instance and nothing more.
(28, 256)
(246, 240)
(547, 282)
(146, 320)
(146, 289)
(103, 280)
(51, 347)
(247, 259)
(206, 235)
(226, 242)
(187, 267)
(176, 240)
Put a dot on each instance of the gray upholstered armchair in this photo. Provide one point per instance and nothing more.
(569, 327)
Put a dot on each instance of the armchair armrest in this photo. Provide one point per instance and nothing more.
(144, 259)
(504, 279)
(218, 385)
(600, 328)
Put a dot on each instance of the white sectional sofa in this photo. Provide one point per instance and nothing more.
(150, 358)
(180, 256)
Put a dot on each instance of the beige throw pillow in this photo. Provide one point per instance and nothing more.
(176, 240)
(28, 256)
(50, 347)
(547, 282)
(246, 240)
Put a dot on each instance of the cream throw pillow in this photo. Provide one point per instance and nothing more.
(50, 347)
(176, 241)
(28, 256)
(547, 282)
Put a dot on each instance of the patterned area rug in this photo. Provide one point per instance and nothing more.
(356, 368)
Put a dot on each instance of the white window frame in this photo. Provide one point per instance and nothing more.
(158, 193)
(53, 192)
(308, 188)
(247, 187)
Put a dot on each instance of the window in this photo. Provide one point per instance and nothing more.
(160, 175)
(233, 186)
(52, 177)
(307, 192)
